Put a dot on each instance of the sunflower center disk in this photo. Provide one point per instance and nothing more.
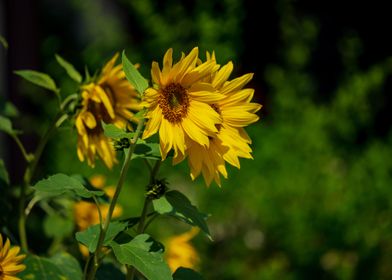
(174, 102)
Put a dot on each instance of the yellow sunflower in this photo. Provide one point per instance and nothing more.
(110, 99)
(179, 252)
(10, 261)
(231, 141)
(180, 103)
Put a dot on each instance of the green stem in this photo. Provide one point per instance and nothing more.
(141, 226)
(22, 148)
(104, 226)
(28, 175)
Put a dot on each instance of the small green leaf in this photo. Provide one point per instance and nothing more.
(183, 273)
(4, 42)
(4, 178)
(112, 131)
(178, 205)
(38, 78)
(133, 75)
(38, 268)
(147, 151)
(6, 126)
(60, 184)
(68, 265)
(57, 226)
(89, 237)
(69, 68)
(8, 109)
(138, 253)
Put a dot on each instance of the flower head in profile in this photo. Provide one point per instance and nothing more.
(179, 103)
(179, 252)
(10, 261)
(230, 142)
(110, 99)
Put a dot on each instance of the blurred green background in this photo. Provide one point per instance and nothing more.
(316, 201)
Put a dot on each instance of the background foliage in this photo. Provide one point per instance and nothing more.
(316, 201)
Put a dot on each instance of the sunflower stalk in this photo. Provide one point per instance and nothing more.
(120, 183)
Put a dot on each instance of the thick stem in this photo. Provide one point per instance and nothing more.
(104, 226)
(28, 175)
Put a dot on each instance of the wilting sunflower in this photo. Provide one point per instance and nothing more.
(179, 252)
(180, 103)
(231, 141)
(10, 261)
(110, 99)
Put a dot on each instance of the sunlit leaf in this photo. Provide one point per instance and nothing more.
(112, 131)
(38, 78)
(176, 204)
(133, 75)
(60, 184)
(89, 237)
(138, 253)
(69, 68)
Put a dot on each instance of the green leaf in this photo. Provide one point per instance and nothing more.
(60, 184)
(89, 237)
(4, 178)
(57, 226)
(112, 131)
(178, 205)
(8, 109)
(38, 268)
(147, 151)
(133, 75)
(69, 68)
(4, 42)
(38, 78)
(183, 273)
(6, 126)
(138, 253)
(68, 265)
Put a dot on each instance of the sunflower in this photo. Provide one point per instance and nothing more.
(179, 252)
(231, 141)
(10, 261)
(179, 103)
(110, 99)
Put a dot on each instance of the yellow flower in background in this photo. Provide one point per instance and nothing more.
(10, 261)
(179, 103)
(179, 252)
(110, 99)
(86, 213)
(231, 141)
